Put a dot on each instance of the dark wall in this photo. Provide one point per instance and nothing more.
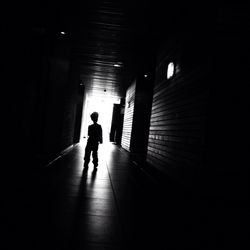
(40, 83)
(142, 111)
(58, 78)
(26, 67)
(72, 107)
(229, 100)
(199, 123)
(177, 137)
(117, 123)
(210, 45)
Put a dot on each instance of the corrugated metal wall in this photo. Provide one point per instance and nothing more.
(128, 116)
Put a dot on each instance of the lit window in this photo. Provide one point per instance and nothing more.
(170, 71)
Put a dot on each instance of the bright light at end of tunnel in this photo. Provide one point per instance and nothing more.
(104, 106)
(63, 33)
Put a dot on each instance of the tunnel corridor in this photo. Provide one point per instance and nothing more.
(170, 81)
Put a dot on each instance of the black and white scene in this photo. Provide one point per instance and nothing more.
(125, 125)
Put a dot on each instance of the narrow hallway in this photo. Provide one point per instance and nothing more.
(170, 82)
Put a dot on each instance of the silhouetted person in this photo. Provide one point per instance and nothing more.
(94, 138)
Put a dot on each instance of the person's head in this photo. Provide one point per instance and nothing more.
(94, 116)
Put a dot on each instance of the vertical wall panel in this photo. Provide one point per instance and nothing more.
(128, 116)
(141, 120)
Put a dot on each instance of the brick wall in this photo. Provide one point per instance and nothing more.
(177, 136)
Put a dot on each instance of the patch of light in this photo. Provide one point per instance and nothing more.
(104, 106)
(170, 70)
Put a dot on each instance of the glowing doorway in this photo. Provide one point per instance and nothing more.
(102, 105)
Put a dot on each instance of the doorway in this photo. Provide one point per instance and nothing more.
(104, 106)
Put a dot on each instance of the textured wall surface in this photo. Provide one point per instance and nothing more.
(128, 116)
(177, 140)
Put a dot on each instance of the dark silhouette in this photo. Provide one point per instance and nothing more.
(94, 138)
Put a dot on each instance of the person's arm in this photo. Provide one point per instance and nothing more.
(88, 130)
(101, 135)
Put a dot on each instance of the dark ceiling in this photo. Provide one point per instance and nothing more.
(106, 44)
(103, 33)
(109, 38)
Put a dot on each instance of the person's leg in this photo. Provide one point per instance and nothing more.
(87, 155)
(95, 156)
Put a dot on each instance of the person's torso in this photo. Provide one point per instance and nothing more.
(95, 132)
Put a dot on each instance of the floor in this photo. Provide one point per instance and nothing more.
(65, 206)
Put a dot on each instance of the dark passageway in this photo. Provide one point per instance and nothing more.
(170, 82)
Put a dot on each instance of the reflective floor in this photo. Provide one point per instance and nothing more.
(65, 206)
